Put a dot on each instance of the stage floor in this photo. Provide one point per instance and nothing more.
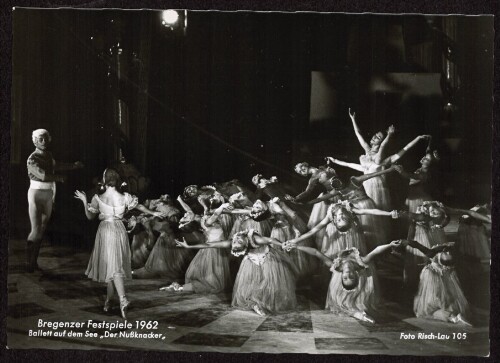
(195, 323)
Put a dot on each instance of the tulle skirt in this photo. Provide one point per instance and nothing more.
(416, 196)
(270, 285)
(263, 228)
(439, 291)
(209, 271)
(374, 227)
(303, 262)
(318, 213)
(111, 255)
(426, 236)
(167, 260)
(360, 299)
(376, 189)
(473, 241)
(139, 249)
(336, 241)
(227, 223)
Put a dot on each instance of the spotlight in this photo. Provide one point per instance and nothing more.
(169, 17)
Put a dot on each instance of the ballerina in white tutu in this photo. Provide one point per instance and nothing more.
(439, 294)
(342, 228)
(372, 225)
(266, 278)
(352, 289)
(110, 259)
(315, 187)
(374, 160)
(208, 272)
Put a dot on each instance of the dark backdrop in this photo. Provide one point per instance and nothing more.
(229, 96)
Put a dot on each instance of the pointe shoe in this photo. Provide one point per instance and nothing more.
(124, 303)
(258, 310)
(460, 319)
(107, 305)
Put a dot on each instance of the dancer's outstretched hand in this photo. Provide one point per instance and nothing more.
(391, 130)
(160, 214)
(182, 243)
(81, 195)
(352, 115)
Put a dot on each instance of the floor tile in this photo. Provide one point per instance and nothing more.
(207, 339)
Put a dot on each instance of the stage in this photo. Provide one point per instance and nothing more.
(196, 323)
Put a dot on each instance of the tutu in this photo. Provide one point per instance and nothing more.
(301, 260)
(318, 213)
(426, 236)
(227, 221)
(439, 290)
(209, 271)
(374, 227)
(348, 302)
(336, 241)
(244, 223)
(167, 260)
(473, 241)
(376, 189)
(266, 279)
(111, 256)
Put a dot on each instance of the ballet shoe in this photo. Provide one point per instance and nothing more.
(107, 305)
(460, 319)
(124, 303)
(258, 310)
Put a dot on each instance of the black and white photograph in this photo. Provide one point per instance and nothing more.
(250, 182)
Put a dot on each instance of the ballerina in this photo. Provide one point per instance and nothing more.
(420, 180)
(208, 272)
(429, 221)
(286, 224)
(242, 210)
(355, 193)
(352, 288)
(374, 160)
(110, 259)
(266, 278)
(314, 186)
(473, 237)
(439, 294)
(342, 228)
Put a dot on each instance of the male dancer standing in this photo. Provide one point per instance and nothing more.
(42, 192)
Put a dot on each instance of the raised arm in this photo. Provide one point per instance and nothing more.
(379, 155)
(379, 250)
(354, 166)
(420, 176)
(59, 165)
(470, 213)
(35, 169)
(312, 232)
(314, 252)
(213, 218)
(184, 205)
(376, 212)
(308, 193)
(395, 157)
(326, 196)
(260, 240)
(83, 197)
(357, 131)
(219, 244)
(362, 178)
(143, 209)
